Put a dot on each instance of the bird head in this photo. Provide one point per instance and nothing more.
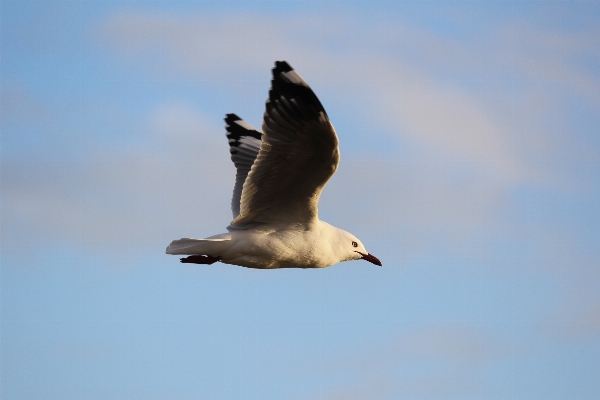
(353, 249)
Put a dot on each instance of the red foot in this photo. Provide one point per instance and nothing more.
(200, 259)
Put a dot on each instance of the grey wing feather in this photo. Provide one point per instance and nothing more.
(244, 144)
(298, 155)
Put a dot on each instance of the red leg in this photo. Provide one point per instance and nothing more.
(200, 259)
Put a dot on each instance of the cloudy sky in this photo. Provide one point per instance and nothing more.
(470, 144)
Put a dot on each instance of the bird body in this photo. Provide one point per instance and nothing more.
(280, 175)
(277, 246)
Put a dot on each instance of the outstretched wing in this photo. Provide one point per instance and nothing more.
(244, 144)
(298, 155)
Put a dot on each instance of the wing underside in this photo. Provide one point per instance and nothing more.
(298, 155)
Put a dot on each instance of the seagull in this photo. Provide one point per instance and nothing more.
(280, 175)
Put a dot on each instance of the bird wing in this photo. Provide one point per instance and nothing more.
(244, 144)
(298, 154)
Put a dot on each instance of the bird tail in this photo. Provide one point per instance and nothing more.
(210, 246)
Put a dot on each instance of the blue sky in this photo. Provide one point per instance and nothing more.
(470, 166)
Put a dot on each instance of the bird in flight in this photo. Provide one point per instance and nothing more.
(280, 175)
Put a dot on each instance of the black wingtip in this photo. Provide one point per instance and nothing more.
(292, 86)
(235, 131)
(281, 66)
(230, 118)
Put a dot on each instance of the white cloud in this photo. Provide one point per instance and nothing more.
(214, 46)
(175, 184)
(394, 83)
(412, 80)
(555, 57)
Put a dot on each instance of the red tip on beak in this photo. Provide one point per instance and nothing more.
(370, 258)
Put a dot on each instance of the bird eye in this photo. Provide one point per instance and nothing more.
(354, 244)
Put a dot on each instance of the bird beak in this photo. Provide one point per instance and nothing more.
(370, 258)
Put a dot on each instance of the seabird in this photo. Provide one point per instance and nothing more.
(280, 175)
